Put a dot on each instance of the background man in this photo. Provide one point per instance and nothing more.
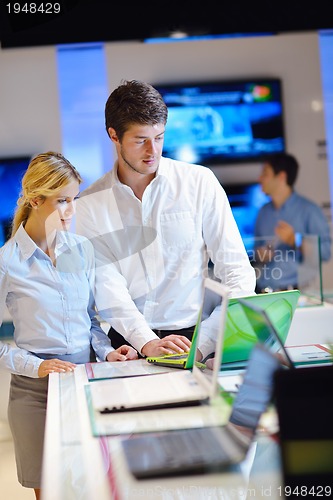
(282, 222)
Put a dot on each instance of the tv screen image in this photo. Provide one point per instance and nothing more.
(245, 201)
(11, 173)
(223, 122)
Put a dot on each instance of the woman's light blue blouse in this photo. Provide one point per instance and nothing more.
(52, 306)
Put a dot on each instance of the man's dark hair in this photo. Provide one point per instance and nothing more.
(134, 102)
(284, 162)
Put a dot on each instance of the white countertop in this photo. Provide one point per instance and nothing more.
(79, 466)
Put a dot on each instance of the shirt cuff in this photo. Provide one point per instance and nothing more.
(102, 354)
(138, 339)
(31, 366)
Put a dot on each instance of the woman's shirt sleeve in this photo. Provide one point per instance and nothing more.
(17, 361)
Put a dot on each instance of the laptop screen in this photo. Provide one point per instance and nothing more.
(209, 336)
(239, 337)
(265, 331)
(256, 389)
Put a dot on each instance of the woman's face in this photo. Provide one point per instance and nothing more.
(56, 211)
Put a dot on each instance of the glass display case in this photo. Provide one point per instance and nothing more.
(280, 267)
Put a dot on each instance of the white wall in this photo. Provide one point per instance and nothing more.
(29, 101)
(29, 105)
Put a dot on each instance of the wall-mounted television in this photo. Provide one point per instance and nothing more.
(245, 201)
(216, 123)
(11, 173)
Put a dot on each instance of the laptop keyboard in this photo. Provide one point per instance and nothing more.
(176, 356)
(196, 445)
(184, 451)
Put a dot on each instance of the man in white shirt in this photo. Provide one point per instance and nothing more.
(155, 223)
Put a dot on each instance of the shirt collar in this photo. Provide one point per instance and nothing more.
(114, 174)
(286, 205)
(162, 169)
(28, 247)
(63, 242)
(289, 200)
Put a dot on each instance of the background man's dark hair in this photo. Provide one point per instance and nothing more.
(284, 162)
(134, 102)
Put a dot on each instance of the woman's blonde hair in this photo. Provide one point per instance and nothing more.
(46, 174)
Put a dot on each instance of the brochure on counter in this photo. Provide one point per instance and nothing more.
(105, 369)
(310, 354)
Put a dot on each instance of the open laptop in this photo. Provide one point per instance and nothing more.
(295, 356)
(265, 331)
(179, 360)
(176, 388)
(208, 449)
(239, 337)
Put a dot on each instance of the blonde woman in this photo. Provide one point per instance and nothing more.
(46, 281)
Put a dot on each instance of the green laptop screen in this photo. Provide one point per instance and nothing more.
(239, 336)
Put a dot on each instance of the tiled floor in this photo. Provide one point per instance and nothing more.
(10, 488)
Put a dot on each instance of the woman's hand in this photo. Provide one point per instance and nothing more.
(123, 353)
(54, 366)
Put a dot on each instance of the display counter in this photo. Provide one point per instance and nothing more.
(80, 466)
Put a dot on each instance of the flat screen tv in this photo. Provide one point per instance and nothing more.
(11, 172)
(245, 201)
(224, 122)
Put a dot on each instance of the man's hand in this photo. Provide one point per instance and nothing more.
(168, 345)
(285, 232)
(123, 353)
(264, 254)
(54, 366)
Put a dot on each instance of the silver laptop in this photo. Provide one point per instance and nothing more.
(175, 388)
(208, 449)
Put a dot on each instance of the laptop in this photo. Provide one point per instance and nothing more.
(208, 449)
(180, 388)
(239, 337)
(265, 331)
(183, 361)
(295, 356)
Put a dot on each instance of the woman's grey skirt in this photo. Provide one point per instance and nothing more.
(26, 416)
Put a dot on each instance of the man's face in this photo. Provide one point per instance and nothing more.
(268, 180)
(141, 147)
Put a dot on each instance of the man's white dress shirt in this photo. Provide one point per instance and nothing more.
(152, 255)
